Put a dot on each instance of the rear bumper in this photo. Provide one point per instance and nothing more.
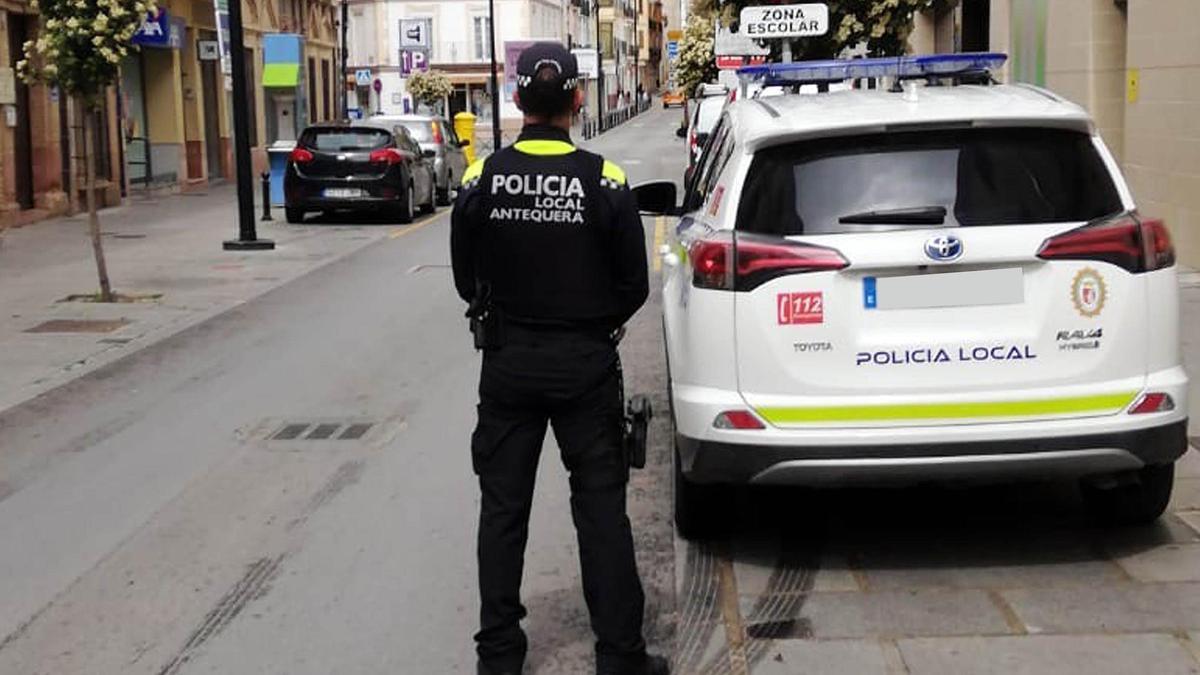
(308, 193)
(1064, 456)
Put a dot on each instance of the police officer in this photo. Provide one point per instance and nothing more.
(548, 248)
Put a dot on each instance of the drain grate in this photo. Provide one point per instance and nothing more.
(322, 431)
(78, 326)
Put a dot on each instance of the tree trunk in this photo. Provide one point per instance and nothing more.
(89, 122)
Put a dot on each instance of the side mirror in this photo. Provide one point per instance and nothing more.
(463, 143)
(428, 154)
(681, 132)
(656, 197)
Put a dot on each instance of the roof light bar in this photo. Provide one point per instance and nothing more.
(837, 70)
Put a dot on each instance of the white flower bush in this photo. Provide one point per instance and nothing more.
(81, 44)
(430, 87)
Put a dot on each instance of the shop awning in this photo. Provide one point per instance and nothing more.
(281, 74)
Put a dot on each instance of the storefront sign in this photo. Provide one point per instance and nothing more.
(762, 22)
(586, 58)
(728, 43)
(221, 9)
(208, 50)
(160, 30)
(512, 52)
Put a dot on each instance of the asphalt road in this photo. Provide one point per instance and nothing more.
(157, 518)
(154, 521)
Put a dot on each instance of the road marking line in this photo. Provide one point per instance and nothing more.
(401, 231)
(731, 616)
(659, 235)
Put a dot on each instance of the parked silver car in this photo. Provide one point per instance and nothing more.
(433, 133)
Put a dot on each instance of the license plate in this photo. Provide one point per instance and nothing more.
(342, 193)
(950, 289)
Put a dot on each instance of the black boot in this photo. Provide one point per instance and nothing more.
(652, 664)
(482, 668)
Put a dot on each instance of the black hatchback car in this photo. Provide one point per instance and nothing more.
(365, 168)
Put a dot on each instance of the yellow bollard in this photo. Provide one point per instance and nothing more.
(464, 128)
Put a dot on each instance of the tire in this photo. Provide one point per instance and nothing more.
(698, 508)
(444, 195)
(404, 210)
(294, 216)
(431, 205)
(1138, 501)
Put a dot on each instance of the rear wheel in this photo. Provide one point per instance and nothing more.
(430, 206)
(404, 210)
(443, 195)
(698, 508)
(1130, 499)
(293, 215)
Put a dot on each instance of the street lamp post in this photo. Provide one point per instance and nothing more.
(247, 236)
(495, 84)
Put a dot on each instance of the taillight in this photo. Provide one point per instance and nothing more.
(759, 259)
(437, 133)
(1127, 241)
(386, 156)
(1152, 403)
(300, 156)
(738, 419)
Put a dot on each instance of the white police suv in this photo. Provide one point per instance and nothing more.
(944, 279)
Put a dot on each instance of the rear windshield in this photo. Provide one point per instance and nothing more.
(345, 140)
(422, 132)
(965, 177)
(706, 117)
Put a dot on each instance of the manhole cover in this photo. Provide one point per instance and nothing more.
(78, 326)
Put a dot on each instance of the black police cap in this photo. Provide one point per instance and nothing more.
(547, 54)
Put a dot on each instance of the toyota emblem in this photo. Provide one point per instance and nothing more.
(944, 248)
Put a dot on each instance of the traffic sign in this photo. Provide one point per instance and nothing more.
(672, 50)
(414, 33)
(362, 77)
(377, 85)
(413, 60)
(763, 22)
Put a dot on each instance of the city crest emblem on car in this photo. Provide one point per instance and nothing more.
(944, 248)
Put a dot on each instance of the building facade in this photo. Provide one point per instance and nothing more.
(41, 167)
(177, 97)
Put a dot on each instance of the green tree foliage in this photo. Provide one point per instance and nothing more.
(430, 87)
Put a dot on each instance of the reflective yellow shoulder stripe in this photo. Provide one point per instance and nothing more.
(474, 171)
(1097, 404)
(613, 172)
(544, 147)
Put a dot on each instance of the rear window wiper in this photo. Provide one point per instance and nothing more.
(915, 215)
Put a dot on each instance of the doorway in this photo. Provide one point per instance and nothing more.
(210, 83)
(18, 33)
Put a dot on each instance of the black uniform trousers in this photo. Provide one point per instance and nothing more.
(572, 380)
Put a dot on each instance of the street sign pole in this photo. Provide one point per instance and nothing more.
(495, 85)
(345, 58)
(247, 236)
(599, 71)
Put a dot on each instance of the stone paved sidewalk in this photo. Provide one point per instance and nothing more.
(166, 247)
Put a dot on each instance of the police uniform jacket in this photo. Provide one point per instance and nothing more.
(554, 231)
